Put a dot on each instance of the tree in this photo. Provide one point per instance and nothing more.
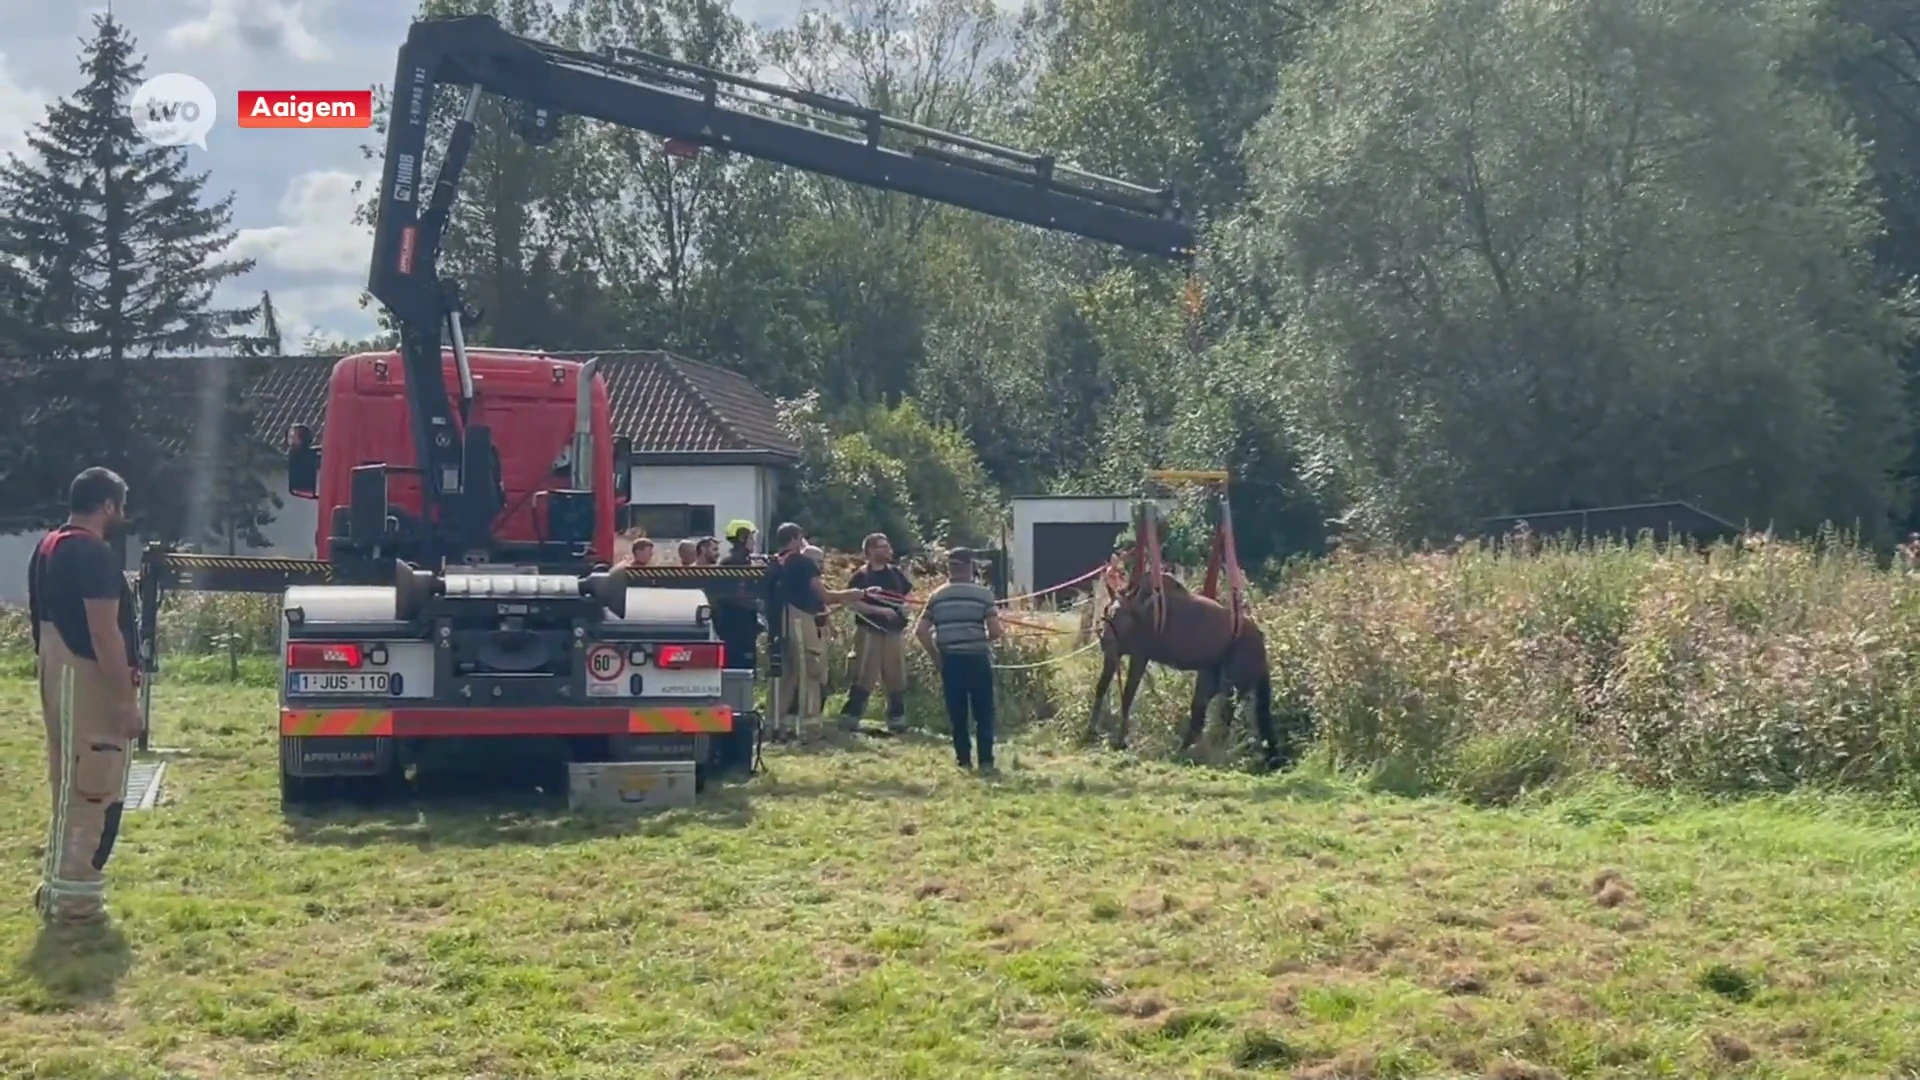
(268, 342)
(123, 254)
(1873, 55)
(524, 237)
(1163, 89)
(1514, 256)
(844, 487)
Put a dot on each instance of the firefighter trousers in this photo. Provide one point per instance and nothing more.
(87, 762)
(805, 668)
(879, 660)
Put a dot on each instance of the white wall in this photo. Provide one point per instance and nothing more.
(290, 533)
(1032, 510)
(734, 491)
(15, 550)
(294, 525)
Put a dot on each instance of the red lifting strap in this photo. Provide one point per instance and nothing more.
(1224, 557)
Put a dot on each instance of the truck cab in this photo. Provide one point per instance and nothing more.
(530, 402)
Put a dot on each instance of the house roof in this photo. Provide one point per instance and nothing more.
(1664, 519)
(671, 405)
(667, 404)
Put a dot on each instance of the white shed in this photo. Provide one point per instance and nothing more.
(1057, 538)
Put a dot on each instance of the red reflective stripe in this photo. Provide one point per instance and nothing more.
(453, 722)
(545, 720)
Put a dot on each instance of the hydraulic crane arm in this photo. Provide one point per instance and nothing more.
(690, 105)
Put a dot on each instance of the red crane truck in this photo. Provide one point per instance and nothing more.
(468, 497)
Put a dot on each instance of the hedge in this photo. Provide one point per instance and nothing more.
(1763, 668)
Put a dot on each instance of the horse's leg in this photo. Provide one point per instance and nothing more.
(1136, 667)
(1109, 665)
(1245, 671)
(1251, 676)
(1206, 686)
(1263, 718)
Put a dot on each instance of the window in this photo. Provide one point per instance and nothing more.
(672, 521)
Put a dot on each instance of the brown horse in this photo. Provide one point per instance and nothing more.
(1199, 634)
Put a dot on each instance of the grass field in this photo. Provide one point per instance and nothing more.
(866, 911)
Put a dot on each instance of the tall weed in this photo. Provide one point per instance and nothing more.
(1767, 667)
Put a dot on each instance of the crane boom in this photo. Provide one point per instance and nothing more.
(686, 104)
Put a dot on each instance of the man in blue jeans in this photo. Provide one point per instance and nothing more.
(957, 629)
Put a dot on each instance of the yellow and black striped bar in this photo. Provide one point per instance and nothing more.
(235, 573)
(690, 577)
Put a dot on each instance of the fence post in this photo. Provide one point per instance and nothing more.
(997, 558)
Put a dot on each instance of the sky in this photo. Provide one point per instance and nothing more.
(294, 191)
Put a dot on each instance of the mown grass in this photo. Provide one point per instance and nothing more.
(865, 911)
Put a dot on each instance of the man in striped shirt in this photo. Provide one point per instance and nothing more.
(957, 629)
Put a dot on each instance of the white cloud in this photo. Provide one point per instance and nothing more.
(21, 107)
(318, 234)
(331, 311)
(261, 26)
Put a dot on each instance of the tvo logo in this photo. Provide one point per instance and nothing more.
(173, 110)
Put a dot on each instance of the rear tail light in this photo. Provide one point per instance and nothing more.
(705, 655)
(325, 656)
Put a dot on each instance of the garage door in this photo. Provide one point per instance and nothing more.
(1063, 551)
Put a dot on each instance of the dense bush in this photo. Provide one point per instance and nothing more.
(885, 469)
(1485, 675)
(1765, 668)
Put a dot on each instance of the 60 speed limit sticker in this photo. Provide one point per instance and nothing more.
(605, 662)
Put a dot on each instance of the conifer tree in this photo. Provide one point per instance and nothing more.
(119, 254)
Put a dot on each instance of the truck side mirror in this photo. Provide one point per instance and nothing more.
(303, 463)
(623, 467)
(303, 472)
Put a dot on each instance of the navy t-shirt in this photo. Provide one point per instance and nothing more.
(70, 567)
(797, 575)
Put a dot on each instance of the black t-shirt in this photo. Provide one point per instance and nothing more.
(735, 596)
(68, 568)
(797, 575)
(893, 580)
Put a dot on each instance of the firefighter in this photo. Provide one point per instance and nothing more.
(821, 647)
(879, 636)
(736, 607)
(799, 594)
(82, 616)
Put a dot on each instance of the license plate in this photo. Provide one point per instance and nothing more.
(659, 683)
(355, 683)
